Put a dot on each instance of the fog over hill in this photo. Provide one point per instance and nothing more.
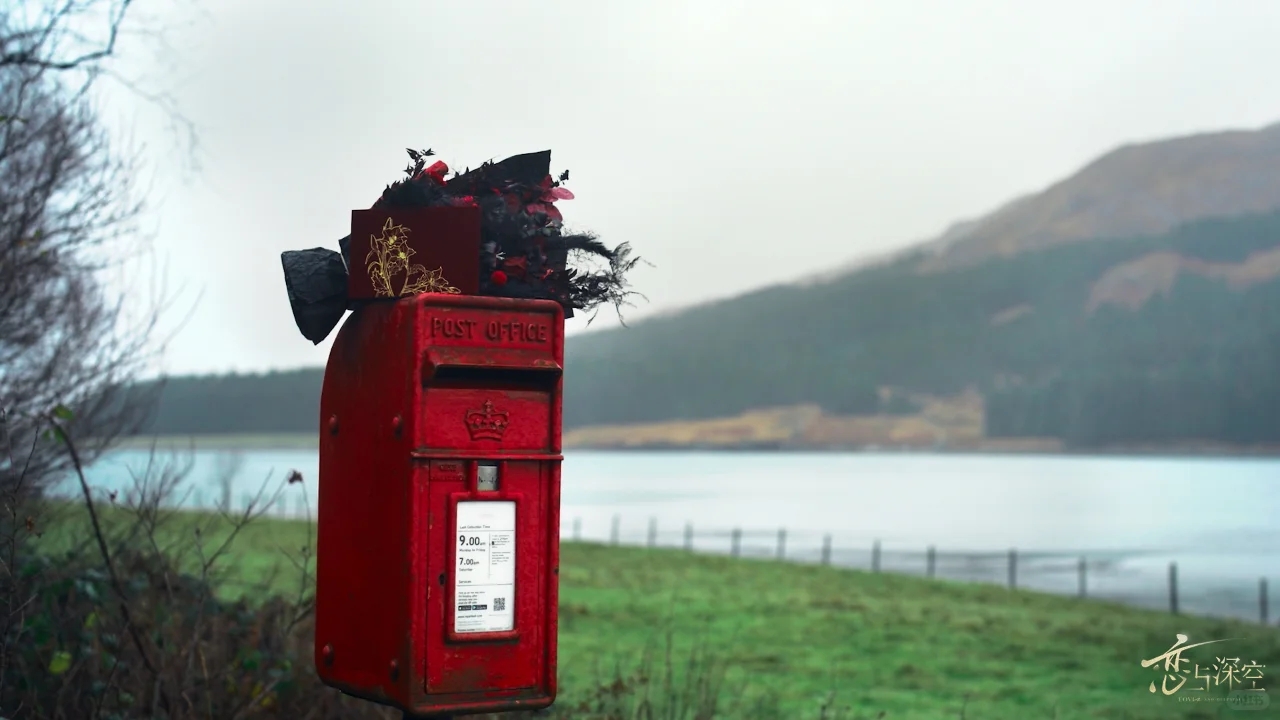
(1136, 189)
(1148, 275)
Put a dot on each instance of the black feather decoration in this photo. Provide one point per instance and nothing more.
(524, 251)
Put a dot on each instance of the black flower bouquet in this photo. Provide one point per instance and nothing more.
(524, 250)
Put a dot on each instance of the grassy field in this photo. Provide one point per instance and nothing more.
(795, 634)
(901, 645)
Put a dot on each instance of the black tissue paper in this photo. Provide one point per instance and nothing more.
(317, 283)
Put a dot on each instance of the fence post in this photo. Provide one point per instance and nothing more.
(1083, 572)
(1262, 600)
(875, 557)
(736, 544)
(577, 529)
(782, 543)
(931, 562)
(199, 500)
(826, 549)
(1173, 588)
(1013, 569)
(688, 536)
(613, 534)
(653, 531)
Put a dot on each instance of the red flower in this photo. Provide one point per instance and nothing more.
(498, 278)
(464, 201)
(515, 266)
(540, 198)
(435, 172)
(545, 198)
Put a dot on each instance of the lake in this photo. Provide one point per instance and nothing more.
(1129, 517)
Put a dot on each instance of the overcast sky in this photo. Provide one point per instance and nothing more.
(734, 144)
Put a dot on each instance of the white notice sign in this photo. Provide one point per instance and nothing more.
(485, 577)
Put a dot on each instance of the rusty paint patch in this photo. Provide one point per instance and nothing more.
(466, 678)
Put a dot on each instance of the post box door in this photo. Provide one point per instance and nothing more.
(488, 625)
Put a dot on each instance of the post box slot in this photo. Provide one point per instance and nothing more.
(515, 368)
(468, 376)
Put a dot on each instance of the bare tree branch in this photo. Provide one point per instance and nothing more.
(68, 213)
(38, 47)
(79, 41)
(100, 537)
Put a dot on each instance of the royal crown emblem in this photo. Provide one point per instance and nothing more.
(487, 423)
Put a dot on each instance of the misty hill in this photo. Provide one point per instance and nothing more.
(1140, 334)
(274, 402)
(1137, 189)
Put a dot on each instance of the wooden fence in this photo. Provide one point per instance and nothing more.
(1001, 567)
(877, 559)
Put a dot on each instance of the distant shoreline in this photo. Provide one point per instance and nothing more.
(239, 441)
(302, 441)
(1170, 452)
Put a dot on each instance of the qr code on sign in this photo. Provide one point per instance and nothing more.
(499, 604)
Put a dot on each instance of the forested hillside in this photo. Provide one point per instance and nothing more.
(278, 402)
(1125, 340)
(1015, 328)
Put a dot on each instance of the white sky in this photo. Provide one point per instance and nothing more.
(734, 144)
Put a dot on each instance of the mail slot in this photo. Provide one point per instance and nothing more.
(438, 523)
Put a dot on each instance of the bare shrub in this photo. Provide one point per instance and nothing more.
(119, 610)
(68, 214)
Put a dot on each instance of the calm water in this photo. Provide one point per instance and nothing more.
(1219, 519)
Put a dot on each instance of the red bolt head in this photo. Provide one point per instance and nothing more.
(333, 424)
(327, 654)
(397, 424)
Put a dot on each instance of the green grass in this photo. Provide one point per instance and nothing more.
(910, 647)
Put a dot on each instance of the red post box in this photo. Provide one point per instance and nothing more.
(439, 513)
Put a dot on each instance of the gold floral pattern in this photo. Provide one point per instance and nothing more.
(388, 258)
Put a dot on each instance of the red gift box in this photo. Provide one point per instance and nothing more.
(407, 251)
